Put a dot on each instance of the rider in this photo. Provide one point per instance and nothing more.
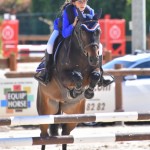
(45, 75)
(68, 24)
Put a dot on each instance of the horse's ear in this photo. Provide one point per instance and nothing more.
(80, 15)
(98, 15)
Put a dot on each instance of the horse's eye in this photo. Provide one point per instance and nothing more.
(97, 31)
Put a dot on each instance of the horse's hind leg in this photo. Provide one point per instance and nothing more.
(45, 106)
(66, 129)
(94, 78)
(53, 128)
(77, 108)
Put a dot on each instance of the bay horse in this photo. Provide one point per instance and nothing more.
(74, 78)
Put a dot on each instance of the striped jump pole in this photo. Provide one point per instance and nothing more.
(105, 137)
(78, 118)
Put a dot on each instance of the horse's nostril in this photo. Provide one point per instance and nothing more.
(93, 61)
(94, 47)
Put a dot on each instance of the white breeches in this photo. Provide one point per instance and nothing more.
(50, 43)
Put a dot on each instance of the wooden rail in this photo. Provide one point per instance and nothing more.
(69, 139)
(24, 38)
(118, 73)
(12, 61)
(75, 118)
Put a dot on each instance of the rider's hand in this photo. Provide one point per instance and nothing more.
(75, 21)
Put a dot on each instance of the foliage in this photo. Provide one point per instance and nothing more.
(51, 6)
(116, 11)
(117, 8)
(148, 12)
(46, 6)
(14, 6)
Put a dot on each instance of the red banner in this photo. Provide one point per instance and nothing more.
(113, 35)
(9, 35)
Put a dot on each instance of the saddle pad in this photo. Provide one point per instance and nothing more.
(41, 66)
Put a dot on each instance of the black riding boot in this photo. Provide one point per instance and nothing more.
(45, 75)
(103, 82)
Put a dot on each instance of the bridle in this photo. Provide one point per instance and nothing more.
(78, 36)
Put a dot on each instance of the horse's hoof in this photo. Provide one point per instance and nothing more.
(88, 94)
(73, 94)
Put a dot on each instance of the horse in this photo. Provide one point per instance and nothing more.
(74, 78)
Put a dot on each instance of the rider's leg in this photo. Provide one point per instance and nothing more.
(45, 75)
(103, 82)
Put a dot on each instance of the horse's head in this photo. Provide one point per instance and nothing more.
(87, 32)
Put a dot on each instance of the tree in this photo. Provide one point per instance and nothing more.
(112, 7)
(46, 6)
(14, 6)
(52, 6)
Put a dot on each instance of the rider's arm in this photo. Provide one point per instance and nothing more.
(67, 28)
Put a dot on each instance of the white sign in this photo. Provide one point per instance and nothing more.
(115, 32)
(7, 33)
(18, 97)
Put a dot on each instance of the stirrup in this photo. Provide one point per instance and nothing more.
(108, 83)
(101, 82)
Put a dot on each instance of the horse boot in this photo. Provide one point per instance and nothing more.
(45, 75)
(103, 82)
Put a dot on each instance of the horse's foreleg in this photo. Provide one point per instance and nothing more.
(77, 79)
(73, 80)
(94, 78)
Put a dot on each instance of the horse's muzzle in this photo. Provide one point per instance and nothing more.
(93, 61)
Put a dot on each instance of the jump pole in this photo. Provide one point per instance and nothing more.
(75, 118)
(105, 137)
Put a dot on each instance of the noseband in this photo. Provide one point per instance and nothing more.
(78, 36)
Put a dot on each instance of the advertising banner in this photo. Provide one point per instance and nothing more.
(9, 33)
(18, 97)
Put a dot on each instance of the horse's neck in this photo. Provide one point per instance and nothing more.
(76, 50)
(76, 45)
(70, 54)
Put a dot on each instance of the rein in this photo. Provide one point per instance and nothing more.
(84, 47)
